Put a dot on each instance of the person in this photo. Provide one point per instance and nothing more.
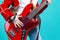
(18, 6)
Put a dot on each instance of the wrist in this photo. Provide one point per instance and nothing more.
(12, 18)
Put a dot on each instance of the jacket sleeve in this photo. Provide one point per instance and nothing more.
(6, 3)
(15, 3)
(5, 11)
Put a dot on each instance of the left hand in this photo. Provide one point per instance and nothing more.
(14, 9)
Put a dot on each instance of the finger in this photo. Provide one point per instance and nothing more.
(19, 16)
(49, 1)
(21, 25)
(18, 25)
(32, 19)
(15, 25)
(36, 19)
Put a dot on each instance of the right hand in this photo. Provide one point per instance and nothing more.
(17, 22)
(49, 1)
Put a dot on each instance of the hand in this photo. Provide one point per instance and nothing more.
(49, 1)
(17, 22)
(14, 9)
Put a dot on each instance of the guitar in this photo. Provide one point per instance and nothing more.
(21, 33)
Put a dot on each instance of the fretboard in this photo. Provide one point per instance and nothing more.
(35, 12)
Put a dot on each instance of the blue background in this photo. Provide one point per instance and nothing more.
(50, 23)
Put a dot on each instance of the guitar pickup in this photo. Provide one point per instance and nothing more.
(11, 33)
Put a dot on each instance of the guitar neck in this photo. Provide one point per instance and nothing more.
(40, 8)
